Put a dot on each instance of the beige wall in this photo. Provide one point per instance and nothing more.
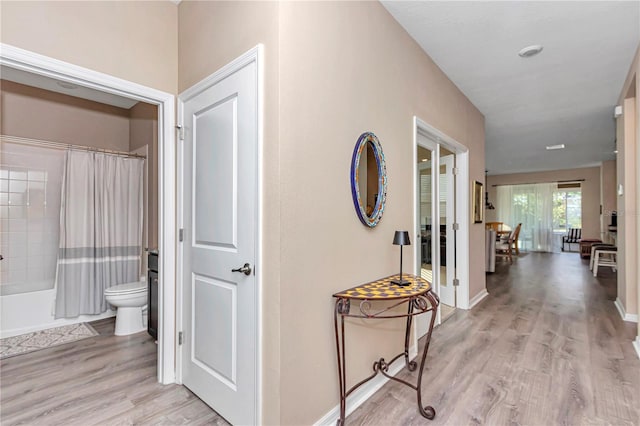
(627, 219)
(34, 113)
(211, 35)
(143, 130)
(628, 136)
(590, 192)
(347, 68)
(136, 41)
(318, 100)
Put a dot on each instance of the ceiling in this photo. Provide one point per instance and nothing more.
(53, 85)
(564, 95)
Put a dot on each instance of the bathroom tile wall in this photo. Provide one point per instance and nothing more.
(30, 182)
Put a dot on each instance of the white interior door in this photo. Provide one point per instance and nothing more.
(219, 319)
(447, 291)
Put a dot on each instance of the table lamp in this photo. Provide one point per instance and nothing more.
(401, 238)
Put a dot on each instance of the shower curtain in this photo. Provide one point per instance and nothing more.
(100, 230)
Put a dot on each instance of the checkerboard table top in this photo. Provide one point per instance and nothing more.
(384, 289)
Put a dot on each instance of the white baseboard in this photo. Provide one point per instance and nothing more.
(478, 298)
(625, 316)
(360, 396)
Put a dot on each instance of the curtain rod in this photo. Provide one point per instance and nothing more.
(62, 145)
(533, 183)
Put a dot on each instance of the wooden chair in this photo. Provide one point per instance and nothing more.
(505, 248)
(515, 239)
(573, 237)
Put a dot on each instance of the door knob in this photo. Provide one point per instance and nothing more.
(246, 269)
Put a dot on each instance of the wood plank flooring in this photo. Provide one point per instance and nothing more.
(103, 380)
(546, 347)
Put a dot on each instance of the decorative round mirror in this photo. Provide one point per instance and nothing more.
(368, 179)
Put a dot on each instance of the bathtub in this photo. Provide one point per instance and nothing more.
(26, 312)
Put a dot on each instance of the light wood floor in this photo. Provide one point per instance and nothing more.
(446, 311)
(546, 347)
(103, 380)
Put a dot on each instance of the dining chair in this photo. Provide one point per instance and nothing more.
(505, 248)
(574, 235)
(515, 238)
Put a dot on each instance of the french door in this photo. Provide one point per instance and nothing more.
(436, 224)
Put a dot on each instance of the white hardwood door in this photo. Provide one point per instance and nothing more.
(220, 309)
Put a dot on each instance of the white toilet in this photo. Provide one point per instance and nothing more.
(129, 299)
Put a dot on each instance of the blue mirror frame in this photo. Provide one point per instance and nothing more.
(369, 139)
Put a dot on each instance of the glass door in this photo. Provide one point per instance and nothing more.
(436, 233)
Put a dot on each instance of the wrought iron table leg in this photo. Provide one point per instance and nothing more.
(428, 412)
(341, 306)
(411, 365)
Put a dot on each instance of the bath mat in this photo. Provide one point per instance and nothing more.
(43, 339)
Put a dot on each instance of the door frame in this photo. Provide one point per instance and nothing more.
(461, 200)
(256, 55)
(35, 63)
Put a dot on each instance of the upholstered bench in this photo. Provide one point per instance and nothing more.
(585, 247)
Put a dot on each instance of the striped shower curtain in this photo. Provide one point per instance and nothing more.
(100, 230)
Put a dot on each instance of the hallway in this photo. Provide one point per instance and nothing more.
(546, 347)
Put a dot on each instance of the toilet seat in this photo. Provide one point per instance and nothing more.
(127, 288)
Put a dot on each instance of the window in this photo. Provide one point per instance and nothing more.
(545, 210)
(567, 207)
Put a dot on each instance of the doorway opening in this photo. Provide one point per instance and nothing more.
(436, 213)
(441, 224)
(45, 67)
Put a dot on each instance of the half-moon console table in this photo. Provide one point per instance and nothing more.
(418, 298)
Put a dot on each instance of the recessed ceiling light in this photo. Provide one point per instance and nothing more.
(66, 85)
(423, 160)
(530, 51)
(552, 147)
